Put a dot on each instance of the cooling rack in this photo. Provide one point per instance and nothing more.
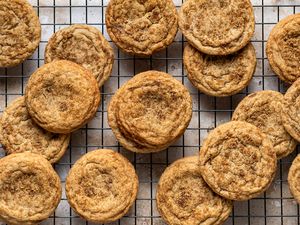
(276, 206)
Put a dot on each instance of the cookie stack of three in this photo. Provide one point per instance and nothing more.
(219, 59)
(150, 112)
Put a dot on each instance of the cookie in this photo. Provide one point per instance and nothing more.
(84, 45)
(237, 161)
(184, 198)
(150, 112)
(220, 76)
(290, 112)
(62, 96)
(263, 109)
(294, 178)
(101, 186)
(141, 27)
(217, 27)
(283, 48)
(30, 189)
(19, 133)
(20, 32)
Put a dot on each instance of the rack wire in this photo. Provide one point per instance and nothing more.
(276, 206)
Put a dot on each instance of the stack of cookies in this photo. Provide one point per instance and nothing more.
(150, 112)
(141, 27)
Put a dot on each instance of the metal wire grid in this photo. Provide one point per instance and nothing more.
(276, 206)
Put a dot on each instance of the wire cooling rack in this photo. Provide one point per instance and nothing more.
(276, 206)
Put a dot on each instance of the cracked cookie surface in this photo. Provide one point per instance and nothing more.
(150, 112)
(184, 198)
(84, 45)
(30, 189)
(141, 27)
(237, 161)
(19, 133)
(217, 27)
(101, 186)
(62, 96)
(220, 75)
(263, 109)
(294, 178)
(283, 48)
(20, 32)
(291, 110)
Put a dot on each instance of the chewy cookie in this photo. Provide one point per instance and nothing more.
(20, 32)
(263, 109)
(217, 27)
(84, 45)
(283, 48)
(62, 96)
(294, 178)
(184, 198)
(19, 133)
(237, 161)
(291, 108)
(30, 189)
(141, 27)
(220, 75)
(150, 112)
(101, 186)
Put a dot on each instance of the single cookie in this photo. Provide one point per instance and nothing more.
(217, 27)
(101, 186)
(184, 198)
(220, 75)
(283, 48)
(20, 32)
(238, 161)
(62, 96)
(141, 27)
(263, 109)
(291, 110)
(19, 133)
(84, 45)
(294, 178)
(150, 112)
(30, 189)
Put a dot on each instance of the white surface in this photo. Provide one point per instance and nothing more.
(208, 112)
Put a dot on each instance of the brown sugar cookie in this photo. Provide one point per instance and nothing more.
(217, 27)
(62, 96)
(184, 198)
(84, 45)
(291, 110)
(294, 178)
(141, 27)
(20, 32)
(30, 189)
(19, 133)
(283, 48)
(101, 186)
(263, 109)
(238, 161)
(220, 75)
(150, 112)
